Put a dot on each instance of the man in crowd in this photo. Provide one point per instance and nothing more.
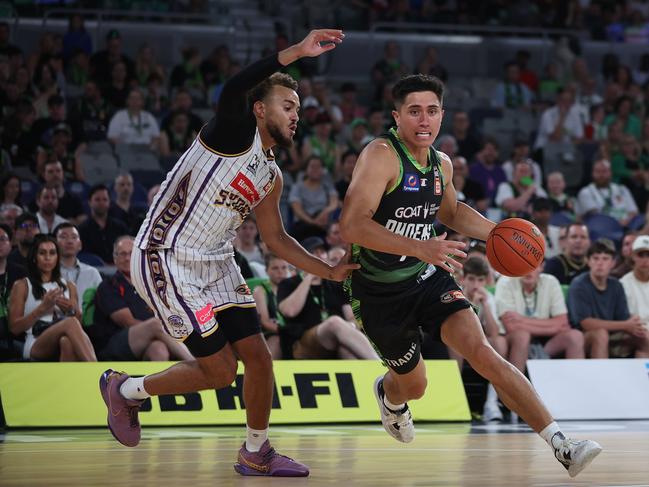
(572, 261)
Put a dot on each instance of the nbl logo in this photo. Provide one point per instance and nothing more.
(410, 182)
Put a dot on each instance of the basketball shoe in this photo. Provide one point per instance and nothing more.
(398, 424)
(575, 455)
(122, 413)
(267, 462)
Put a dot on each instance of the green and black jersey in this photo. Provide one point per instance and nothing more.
(408, 208)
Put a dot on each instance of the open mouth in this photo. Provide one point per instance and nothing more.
(423, 135)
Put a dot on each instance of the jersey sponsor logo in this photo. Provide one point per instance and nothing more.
(243, 289)
(271, 179)
(246, 187)
(253, 165)
(176, 327)
(157, 274)
(416, 211)
(170, 213)
(451, 296)
(410, 182)
(438, 183)
(206, 318)
(404, 359)
(233, 201)
(419, 231)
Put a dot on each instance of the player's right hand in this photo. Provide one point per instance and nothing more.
(312, 45)
(442, 253)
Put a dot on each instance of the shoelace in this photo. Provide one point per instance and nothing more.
(271, 453)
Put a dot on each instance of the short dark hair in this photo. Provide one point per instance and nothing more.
(415, 83)
(96, 188)
(8, 230)
(476, 267)
(261, 91)
(26, 217)
(601, 246)
(62, 226)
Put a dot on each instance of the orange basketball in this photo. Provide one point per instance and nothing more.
(515, 247)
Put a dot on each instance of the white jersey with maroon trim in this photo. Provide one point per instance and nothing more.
(205, 198)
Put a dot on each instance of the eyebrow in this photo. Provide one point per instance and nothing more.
(291, 102)
(416, 105)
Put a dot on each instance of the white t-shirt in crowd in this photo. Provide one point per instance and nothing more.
(545, 302)
(637, 295)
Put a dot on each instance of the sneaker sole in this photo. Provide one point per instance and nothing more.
(247, 471)
(379, 402)
(588, 458)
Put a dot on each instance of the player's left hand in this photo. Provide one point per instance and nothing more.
(319, 41)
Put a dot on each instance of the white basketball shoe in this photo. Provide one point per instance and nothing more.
(576, 455)
(398, 424)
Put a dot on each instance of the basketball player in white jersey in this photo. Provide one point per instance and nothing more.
(183, 264)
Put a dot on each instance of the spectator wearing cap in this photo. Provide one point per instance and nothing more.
(26, 229)
(349, 106)
(310, 111)
(84, 277)
(133, 125)
(48, 202)
(606, 197)
(516, 197)
(313, 200)
(100, 231)
(541, 214)
(44, 128)
(359, 135)
(318, 320)
(597, 304)
(321, 145)
(102, 62)
(636, 282)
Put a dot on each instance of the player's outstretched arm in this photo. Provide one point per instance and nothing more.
(272, 232)
(457, 215)
(315, 43)
(376, 170)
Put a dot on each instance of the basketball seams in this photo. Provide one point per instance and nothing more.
(504, 232)
(540, 242)
(517, 254)
(490, 242)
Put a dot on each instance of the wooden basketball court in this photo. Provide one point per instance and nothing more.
(354, 455)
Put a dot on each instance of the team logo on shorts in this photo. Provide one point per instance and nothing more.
(451, 296)
(243, 289)
(176, 326)
(410, 182)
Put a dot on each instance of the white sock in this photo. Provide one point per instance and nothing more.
(491, 401)
(133, 388)
(395, 408)
(256, 439)
(552, 435)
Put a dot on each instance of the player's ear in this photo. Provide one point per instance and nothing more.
(259, 109)
(395, 115)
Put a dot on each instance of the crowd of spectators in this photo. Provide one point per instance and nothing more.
(67, 106)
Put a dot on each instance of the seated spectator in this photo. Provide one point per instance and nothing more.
(44, 307)
(48, 203)
(182, 102)
(100, 231)
(10, 191)
(624, 262)
(598, 305)
(533, 310)
(61, 151)
(447, 144)
(318, 319)
(177, 137)
(188, 74)
(124, 326)
(350, 108)
(93, 112)
(358, 137)
(76, 38)
(515, 197)
(117, 90)
(266, 299)
(246, 242)
(10, 348)
(475, 275)
(521, 152)
(18, 138)
(389, 68)
(26, 229)
(313, 200)
(606, 197)
(572, 261)
(321, 146)
(486, 169)
(44, 128)
(348, 164)
(146, 65)
(631, 124)
(541, 213)
(511, 93)
(430, 65)
(70, 206)
(561, 201)
(8, 215)
(333, 237)
(86, 278)
(102, 62)
(468, 142)
(468, 191)
(560, 123)
(122, 209)
(134, 126)
(636, 283)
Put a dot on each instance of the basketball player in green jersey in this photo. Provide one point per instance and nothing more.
(399, 186)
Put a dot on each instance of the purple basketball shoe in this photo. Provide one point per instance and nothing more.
(267, 462)
(122, 412)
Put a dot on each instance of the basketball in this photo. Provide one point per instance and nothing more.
(515, 247)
